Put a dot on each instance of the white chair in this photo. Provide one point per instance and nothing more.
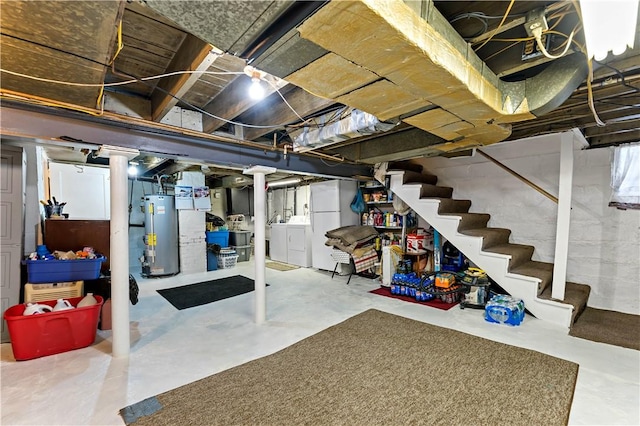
(341, 257)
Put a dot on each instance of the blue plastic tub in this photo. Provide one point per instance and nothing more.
(218, 237)
(57, 271)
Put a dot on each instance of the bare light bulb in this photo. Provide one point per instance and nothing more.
(256, 91)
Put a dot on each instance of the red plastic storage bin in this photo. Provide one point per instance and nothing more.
(34, 336)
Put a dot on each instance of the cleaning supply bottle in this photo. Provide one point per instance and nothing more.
(88, 300)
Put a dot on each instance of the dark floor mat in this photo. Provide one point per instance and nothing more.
(205, 292)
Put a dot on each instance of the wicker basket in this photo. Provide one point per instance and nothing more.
(226, 261)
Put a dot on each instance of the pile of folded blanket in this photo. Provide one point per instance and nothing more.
(348, 238)
(358, 242)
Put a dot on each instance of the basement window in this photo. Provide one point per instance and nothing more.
(625, 177)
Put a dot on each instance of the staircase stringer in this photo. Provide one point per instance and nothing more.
(494, 264)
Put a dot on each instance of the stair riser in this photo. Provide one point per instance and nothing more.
(492, 237)
(474, 222)
(433, 191)
(413, 177)
(448, 205)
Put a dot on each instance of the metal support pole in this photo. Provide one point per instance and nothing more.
(259, 241)
(119, 255)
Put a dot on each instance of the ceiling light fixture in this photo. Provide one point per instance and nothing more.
(256, 91)
(133, 168)
(284, 182)
(609, 25)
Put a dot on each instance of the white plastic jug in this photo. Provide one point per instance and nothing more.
(36, 308)
(62, 305)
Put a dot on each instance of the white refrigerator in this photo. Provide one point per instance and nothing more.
(330, 209)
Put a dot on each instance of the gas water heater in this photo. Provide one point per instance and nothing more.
(161, 255)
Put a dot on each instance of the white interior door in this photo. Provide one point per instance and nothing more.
(11, 227)
(85, 189)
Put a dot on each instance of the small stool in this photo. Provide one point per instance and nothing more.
(341, 257)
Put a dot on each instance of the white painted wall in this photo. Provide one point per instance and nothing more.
(604, 243)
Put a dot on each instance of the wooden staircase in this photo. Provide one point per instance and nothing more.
(509, 265)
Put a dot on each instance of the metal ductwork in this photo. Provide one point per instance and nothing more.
(385, 59)
(236, 181)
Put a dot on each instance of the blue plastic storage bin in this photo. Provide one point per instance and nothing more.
(57, 271)
(218, 237)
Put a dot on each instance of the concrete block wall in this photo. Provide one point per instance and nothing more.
(191, 230)
(604, 243)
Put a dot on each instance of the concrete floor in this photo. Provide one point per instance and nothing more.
(170, 348)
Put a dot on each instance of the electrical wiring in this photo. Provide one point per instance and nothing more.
(502, 50)
(506, 13)
(592, 107)
(620, 76)
(120, 83)
(145, 79)
(100, 100)
(480, 16)
(120, 43)
(48, 102)
(537, 33)
(578, 45)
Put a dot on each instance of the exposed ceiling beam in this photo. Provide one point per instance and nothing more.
(612, 128)
(278, 113)
(617, 138)
(194, 55)
(35, 122)
(233, 101)
(395, 146)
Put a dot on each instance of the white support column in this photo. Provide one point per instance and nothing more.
(259, 240)
(119, 255)
(564, 216)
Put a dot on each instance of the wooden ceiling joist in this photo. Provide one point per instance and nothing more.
(303, 102)
(195, 55)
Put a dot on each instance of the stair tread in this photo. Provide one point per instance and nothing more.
(470, 220)
(482, 231)
(575, 294)
(519, 253)
(449, 205)
(470, 215)
(429, 190)
(404, 165)
(490, 236)
(541, 270)
(508, 248)
(532, 268)
(414, 177)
